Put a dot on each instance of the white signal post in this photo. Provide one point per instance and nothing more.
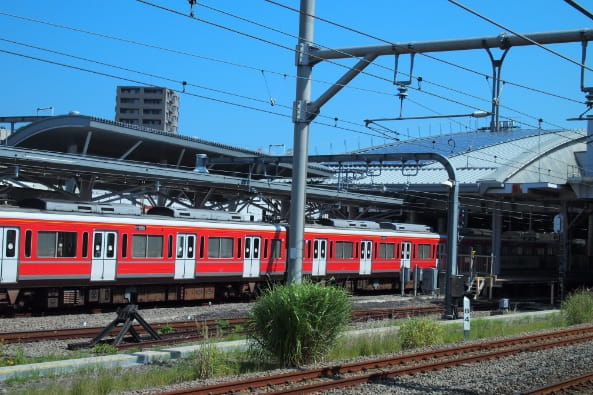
(466, 317)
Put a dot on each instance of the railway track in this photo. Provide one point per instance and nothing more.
(575, 385)
(195, 329)
(346, 375)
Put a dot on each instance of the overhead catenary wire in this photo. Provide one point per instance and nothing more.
(391, 69)
(185, 53)
(342, 26)
(180, 91)
(253, 67)
(291, 49)
(519, 35)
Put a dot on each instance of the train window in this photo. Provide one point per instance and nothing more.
(56, 244)
(331, 249)
(28, 243)
(344, 249)
(220, 247)
(276, 248)
(124, 245)
(239, 249)
(180, 247)
(10, 243)
(191, 243)
(85, 244)
(265, 248)
(387, 250)
(423, 251)
(356, 252)
(98, 243)
(110, 245)
(147, 246)
(308, 248)
(202, 247)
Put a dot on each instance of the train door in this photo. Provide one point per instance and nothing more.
(366, 255)
(9, 239)
(185, 260)
(104, 256)
(319, 257)
(441, 253)
(406, 254)
(251, 260)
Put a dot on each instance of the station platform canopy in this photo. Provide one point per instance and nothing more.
(90, 136)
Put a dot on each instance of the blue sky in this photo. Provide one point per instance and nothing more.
(232, 78)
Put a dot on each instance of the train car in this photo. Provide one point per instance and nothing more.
(65, 254)
(366, 255)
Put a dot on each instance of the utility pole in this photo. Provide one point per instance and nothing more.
(302, 119)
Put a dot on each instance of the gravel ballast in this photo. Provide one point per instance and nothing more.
(505, 376)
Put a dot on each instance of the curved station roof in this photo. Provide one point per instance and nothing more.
(482, 159)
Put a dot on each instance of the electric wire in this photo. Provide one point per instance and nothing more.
(312, 55)
(519, 35)
(222, 61)
(184, 53)
(377, 65)
(420, 53)
(184, 92)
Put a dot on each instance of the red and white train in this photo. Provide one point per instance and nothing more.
(58, 254)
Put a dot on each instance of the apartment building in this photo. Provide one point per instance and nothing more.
(150, 107)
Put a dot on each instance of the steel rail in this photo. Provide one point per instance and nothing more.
(561, 385)
(198, 326)
(517, 344)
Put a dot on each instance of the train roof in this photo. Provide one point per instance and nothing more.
(120, 213)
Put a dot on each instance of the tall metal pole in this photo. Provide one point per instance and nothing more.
(451, 269)
(302, 119)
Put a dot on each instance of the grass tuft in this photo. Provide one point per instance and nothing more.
(299, 323)
(420, 333)
(577, 308)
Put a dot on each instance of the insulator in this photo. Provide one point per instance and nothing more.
(403, 92)
(589, 99)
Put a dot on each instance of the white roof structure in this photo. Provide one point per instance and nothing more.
(510, 156)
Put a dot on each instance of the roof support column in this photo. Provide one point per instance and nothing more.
(496, 239)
